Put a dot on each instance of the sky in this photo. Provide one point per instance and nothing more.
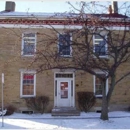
(49, 6)
(38, 5)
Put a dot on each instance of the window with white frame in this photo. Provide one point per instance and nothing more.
(98, 82)
(28, 44)
(28, 84)
(100, 45)
(64, 47)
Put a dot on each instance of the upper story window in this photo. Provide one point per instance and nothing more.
(98, 82)
(28, 44)
(100, 46)
(64, 46)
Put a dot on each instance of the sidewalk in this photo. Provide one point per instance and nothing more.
(83, 115)
(91, 120)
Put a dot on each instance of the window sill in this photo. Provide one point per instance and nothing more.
(28, 96)
(102, 57)
(66, 56)
(98, 96)
(27, 55)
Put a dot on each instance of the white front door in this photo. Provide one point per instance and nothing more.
(64, 92)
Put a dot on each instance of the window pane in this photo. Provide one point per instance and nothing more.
(32, 81)
(64, 39)
(28, 76)
(28, 49)
(29, 35)
(98, 37)
(28, 90)
(98, 81)
(98, 90)
(100, 48)
(98, 85)
(28, 84)
(64, 89)
(29, 40)
(29, 44)
(64, 50)
(64, 44)
(64, 75)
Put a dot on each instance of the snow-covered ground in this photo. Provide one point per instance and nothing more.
(91, 120)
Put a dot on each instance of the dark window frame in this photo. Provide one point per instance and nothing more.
(64, 46)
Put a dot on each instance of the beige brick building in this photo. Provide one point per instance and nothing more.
(60, 85)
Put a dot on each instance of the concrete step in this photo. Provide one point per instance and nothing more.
(65, 111)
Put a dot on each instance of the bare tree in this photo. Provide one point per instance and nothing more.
(100, 42)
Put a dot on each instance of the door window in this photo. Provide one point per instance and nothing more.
(64, 89)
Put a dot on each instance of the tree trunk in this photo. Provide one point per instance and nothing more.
(104, 111)
(112, 85)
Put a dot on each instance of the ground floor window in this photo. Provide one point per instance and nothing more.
(28, 84)
(98, 90)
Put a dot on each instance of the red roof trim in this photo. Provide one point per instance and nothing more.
(62, 22)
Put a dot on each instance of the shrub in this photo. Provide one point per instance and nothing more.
(86, 100)
(129, 108)
(10, 109)
(38, 103)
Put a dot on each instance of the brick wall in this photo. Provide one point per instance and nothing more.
(11, 62)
